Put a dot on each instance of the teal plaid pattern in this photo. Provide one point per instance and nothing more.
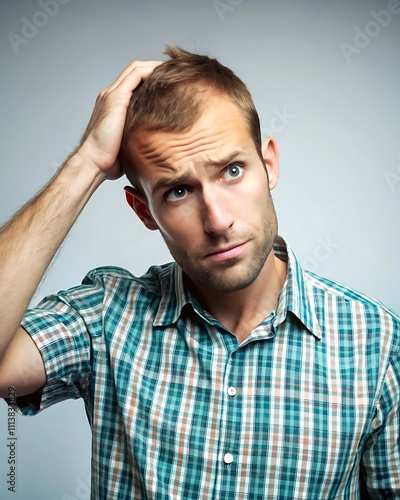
(180, 410)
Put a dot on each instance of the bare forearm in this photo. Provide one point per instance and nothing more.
(29, 241)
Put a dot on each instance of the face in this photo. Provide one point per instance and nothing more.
(208, 193)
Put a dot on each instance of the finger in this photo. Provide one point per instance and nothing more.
(123, 91)
(132, 79)
(134, 66)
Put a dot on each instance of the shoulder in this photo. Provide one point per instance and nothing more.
(106, 285)
(326, 287)
(113, 276)
(349, 306)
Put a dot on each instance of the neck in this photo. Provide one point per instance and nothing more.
(243, 310)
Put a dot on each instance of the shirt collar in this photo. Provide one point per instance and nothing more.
(174, 295)
(294, 296)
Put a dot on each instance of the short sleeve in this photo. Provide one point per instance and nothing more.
(66, 329)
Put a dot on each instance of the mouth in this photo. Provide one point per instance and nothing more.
(227, 253)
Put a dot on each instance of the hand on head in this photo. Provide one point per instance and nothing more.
(101, 141)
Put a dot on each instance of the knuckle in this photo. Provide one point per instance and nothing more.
(102, 94)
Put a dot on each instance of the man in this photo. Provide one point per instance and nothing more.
(230, 373)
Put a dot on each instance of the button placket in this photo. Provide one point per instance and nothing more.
(231, 390)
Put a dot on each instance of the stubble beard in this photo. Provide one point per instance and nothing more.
(224, 276)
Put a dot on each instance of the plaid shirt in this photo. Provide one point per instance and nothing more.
(180, 410)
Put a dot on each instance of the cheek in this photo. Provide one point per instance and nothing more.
(178, 225)
(253, 200)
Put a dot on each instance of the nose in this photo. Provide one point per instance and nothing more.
(218, 219)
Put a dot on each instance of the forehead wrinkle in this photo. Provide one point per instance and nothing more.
(187, 146)
(147, 147)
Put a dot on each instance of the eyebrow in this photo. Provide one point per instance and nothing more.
(165, 182)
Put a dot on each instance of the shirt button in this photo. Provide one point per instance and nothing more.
(228, 458)
(232, 391)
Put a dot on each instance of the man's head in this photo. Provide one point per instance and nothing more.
(175, 94)
(203, 177)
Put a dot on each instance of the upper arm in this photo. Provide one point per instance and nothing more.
(22, 366)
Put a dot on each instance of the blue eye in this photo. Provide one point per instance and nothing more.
(234, 171)
(178, 193)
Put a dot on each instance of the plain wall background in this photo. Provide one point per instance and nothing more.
(334, 111)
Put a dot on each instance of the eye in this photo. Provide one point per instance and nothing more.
(234, 171)
(177, 193)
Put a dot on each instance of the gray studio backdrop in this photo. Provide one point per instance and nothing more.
(325, 78)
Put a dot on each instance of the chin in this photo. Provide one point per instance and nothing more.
(225, 282)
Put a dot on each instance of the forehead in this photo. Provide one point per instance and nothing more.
(220, 128)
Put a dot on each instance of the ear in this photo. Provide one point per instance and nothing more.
(138, 203)
(270, 154)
